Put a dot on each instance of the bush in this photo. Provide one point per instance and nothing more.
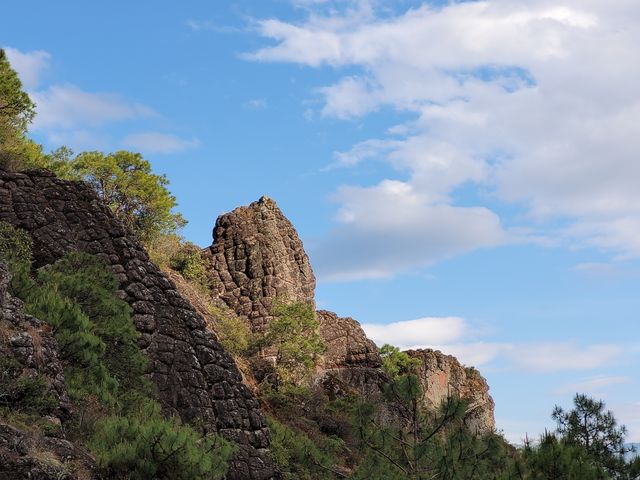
(15, 244)
(24, 394)
(87, 282)
(233, 332)
(146, 445)
(396, 363)
(294, 334)
(188, 261)
(300, 458)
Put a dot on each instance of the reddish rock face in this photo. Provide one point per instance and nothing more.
(257, 257)
(195, 377)
(442, 375)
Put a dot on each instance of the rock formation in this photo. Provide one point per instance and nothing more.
(28, 350)
(195, 377)
(257, 257)
(441, 375)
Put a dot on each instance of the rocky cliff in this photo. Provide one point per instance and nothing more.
(195, 377)
(442, 375)
(257, 256)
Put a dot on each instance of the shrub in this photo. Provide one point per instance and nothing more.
(233, 332)
(300, 458)
(188, 261)
(294, 333)
(396, 363)
(146, 445)
(87, 282)
(15, 244)
(25, 394)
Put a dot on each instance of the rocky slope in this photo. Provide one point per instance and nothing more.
(257, 256)
(28, 350)
(195, 377)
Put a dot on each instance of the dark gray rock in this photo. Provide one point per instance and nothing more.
(195, 377)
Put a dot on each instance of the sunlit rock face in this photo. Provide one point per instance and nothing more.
(442, 375)
(257, 257)
(194, 376)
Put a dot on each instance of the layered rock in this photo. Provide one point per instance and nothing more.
(257, 257)
(442, 375)
(195, 377)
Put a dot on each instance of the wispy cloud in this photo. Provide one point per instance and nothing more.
(69, 107)
(154, 142)
(29, 65)
(256, 104)
(593, 385)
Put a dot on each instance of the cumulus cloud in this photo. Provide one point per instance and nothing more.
(29, 65)
(428, 330)
(535, 102)
(154, 142)
(392, 227)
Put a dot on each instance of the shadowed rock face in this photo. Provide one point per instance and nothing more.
(28, 344)
(195, 377)
(256, 257)
(441, 375)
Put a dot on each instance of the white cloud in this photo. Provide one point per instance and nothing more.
(29, 65)
(455, 336)
(428, 330)
(154, 142)
(391, 227)
(559, 356)
(593, 385)
(69, 107)
(534, 101)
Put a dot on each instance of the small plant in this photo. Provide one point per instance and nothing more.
(25, 394)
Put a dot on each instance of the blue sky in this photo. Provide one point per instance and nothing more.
(468, 167)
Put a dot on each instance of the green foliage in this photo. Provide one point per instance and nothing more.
(80, 349)
(16, 112)
(146, 445)
(136, 195)
(87, 282)
(595, 430)
(555, 459)
(425, 444)
(125, 182)
(298, 457)
(187, 260)
(396, 363)
(294, 334)
(234, 334)
(15, 245)
(25, 394)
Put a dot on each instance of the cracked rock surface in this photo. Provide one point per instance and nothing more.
(195, 377)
